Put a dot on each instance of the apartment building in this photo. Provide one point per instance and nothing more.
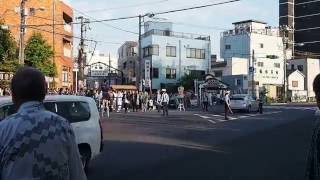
(128, 61)
(169, 55)
(43, 14)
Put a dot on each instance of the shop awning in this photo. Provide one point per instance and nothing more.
(124, 87)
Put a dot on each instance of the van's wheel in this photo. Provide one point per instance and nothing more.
(85, 158)
(249, 109)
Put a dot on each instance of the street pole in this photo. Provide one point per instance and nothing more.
(22, 31)
(109, 71)
(252, 74)
(283, 30)
(140, 52)
(81, 51)
(53, 37)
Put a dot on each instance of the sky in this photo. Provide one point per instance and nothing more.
(207, 21)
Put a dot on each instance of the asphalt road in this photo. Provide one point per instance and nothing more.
(199, 145)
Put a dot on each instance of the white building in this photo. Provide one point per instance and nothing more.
(168, 55)
(310, 68)
(103, 58)
(254, 39)
(296, 90)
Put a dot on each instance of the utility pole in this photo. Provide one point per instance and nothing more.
(109, 72)
(22, 31)
(140, 54)
(252, 74)
(283, 30)
(81, 50)
(53, 38)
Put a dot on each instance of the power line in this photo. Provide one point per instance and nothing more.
(76, 37)
(196, 7)
(124, 7)
(136, 16)
(114, 27)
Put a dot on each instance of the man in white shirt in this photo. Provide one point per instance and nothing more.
(226, 106)
(158, 101)
(164, 102)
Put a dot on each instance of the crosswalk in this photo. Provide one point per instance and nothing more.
(219, 118)
(304, 108)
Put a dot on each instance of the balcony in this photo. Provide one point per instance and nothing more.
(176, 34)
(241, 31)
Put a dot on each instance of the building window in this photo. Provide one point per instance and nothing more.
(260, 64)
(295, 83)
(124, 65)
(237, 82)
(277, 72)
(228, 46)
(261, 45)
(300, 67)
(151, 50)
(196, 53)
(170, 73)
(171, 51)
(260, 71)
(64, 76)
(155, 73)
(277, 65)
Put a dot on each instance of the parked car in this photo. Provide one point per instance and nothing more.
(83, 115)
(173, 102)
(244, 102)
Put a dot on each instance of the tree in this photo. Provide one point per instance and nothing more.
(38, 53)
(187, 81)
(8, 50)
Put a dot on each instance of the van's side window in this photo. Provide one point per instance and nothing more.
(71, 111)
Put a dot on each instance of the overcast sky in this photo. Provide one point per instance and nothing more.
(208, 21)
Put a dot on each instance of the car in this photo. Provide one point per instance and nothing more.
(244, 102)
(83, 115)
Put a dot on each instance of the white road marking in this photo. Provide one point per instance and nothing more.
(212, 121)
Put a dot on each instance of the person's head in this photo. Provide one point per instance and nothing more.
(316, 88)
(28, 84)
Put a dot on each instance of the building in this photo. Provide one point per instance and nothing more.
(302, 16)
(234, 72)
(310, 69)
(43, 14)
(261, 49)
(97, 70)
(169, 55)
(296, 86)
(128, 61)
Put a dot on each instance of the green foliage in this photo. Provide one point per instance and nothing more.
(187, 81)
(8, 51)
(38, 53)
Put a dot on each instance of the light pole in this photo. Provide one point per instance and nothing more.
(141, 21)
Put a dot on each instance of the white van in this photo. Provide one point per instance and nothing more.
(83, 115)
